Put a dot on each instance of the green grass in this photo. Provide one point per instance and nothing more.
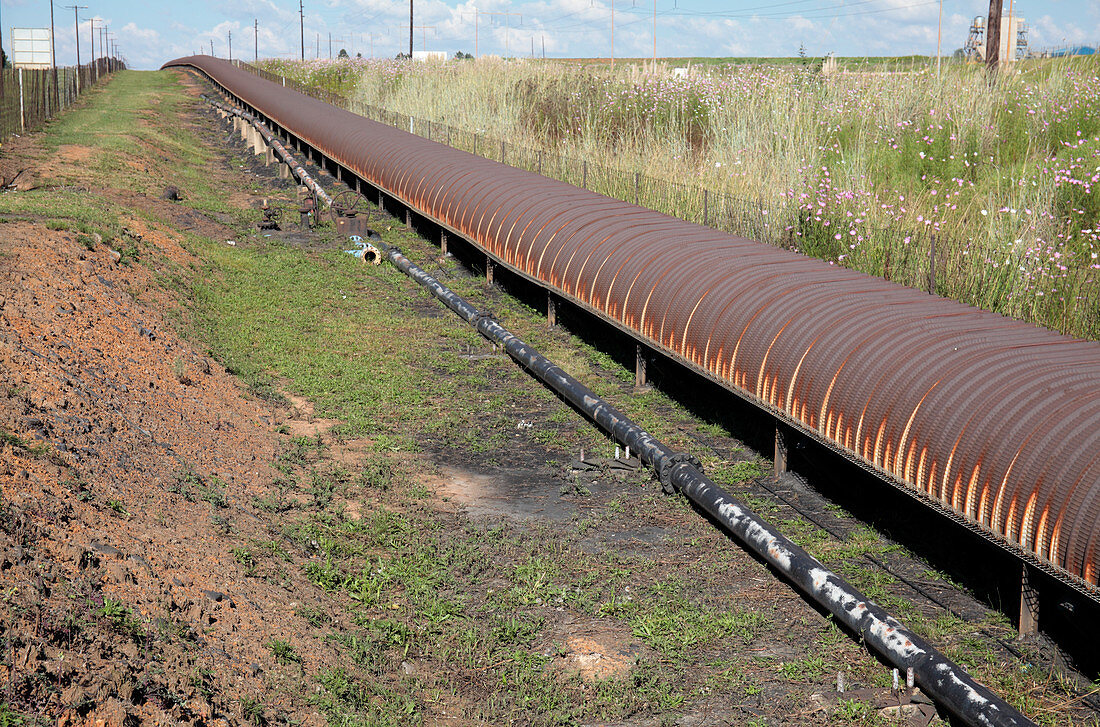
(310, 333)
(125, 138)
(128, 149)
(283, 652)
(347, 337)
(16, 442)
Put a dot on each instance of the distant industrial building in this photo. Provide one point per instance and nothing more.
(1013, 39)
(1068, 50)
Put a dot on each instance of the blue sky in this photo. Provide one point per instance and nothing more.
(152, 32)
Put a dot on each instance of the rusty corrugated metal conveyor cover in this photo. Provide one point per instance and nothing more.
(996, 419)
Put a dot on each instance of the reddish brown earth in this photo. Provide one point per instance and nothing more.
(122, 599)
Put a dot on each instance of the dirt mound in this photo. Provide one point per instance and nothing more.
(128, 466)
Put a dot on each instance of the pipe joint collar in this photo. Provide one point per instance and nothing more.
(668, 464)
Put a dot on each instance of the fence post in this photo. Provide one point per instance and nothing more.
(636, 176)
(585, 175)
(284, 80)
(22, 107)
(706, 201)
(501, 151)
(932, 267)
(540, 162)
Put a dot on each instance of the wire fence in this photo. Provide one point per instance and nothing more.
(28, 97)
(989, 274)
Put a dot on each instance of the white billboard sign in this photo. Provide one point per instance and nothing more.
(30, 48)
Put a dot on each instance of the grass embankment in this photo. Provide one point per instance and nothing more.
(436, 614)
(862, 168)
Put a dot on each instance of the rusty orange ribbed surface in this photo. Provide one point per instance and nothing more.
(997, 420)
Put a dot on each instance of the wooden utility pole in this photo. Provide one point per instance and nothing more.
(1011, 31)
(91, 38)
(230, 46)
(993, 36)
(939, 40)
(612, 33)
(338, 40)
(53, 62)
(302, 27)
(423, 36)
(410, 29)
(76, 31)
(256, 40)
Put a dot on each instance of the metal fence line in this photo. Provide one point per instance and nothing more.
(27, 95)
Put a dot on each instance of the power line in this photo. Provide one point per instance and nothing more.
(799, 14)
(584, 26)
(53, 62)
(424, 35)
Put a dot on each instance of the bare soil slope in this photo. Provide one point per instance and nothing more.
(129, 462)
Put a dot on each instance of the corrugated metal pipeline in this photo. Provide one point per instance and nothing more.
(941, 678)
(269, 138)
(994, 420)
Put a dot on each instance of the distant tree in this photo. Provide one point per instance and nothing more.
(4, 59)
(358, 55)
(401, 56)
(342, 54)
(460, 56)
(802, 52)
(959, 54)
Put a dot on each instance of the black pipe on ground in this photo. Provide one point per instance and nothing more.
(939, 677)
(942, 679)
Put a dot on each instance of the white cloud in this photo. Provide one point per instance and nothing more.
(132, 31)
(1046, 31)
